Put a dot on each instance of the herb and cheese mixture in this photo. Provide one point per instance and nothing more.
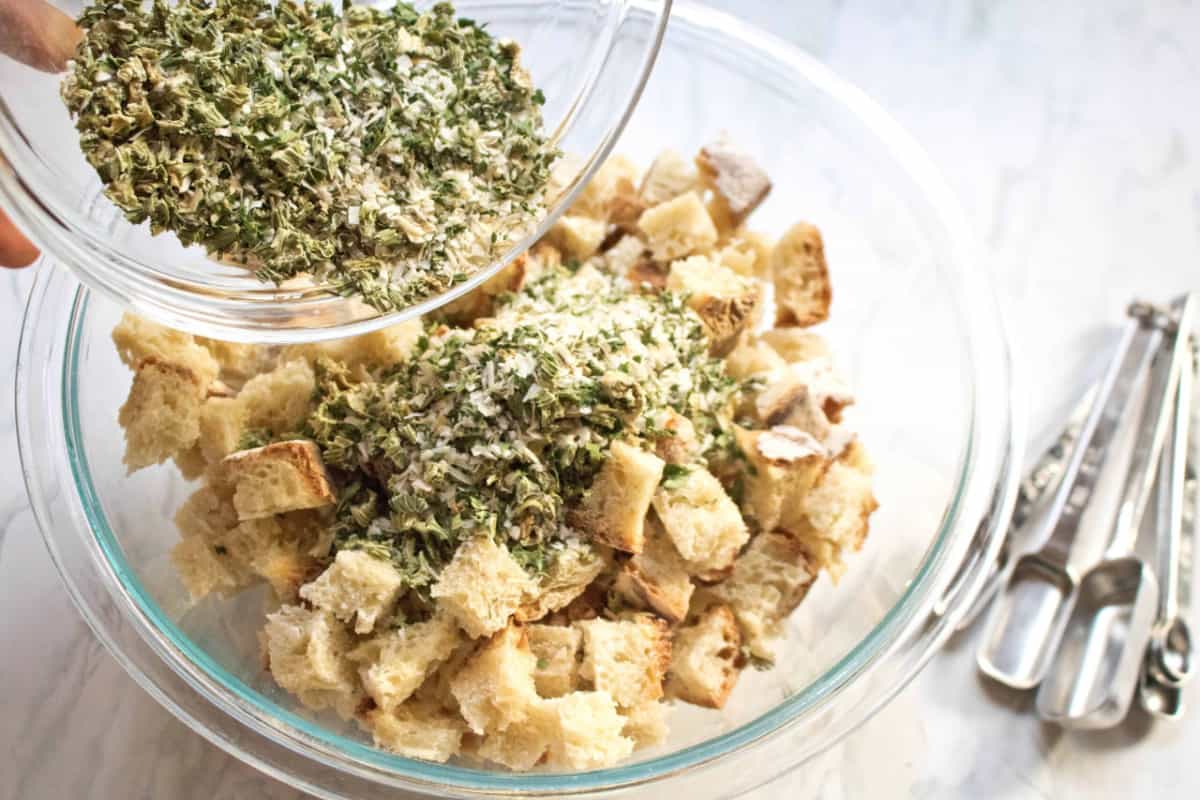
(385, 154)
(517, 531)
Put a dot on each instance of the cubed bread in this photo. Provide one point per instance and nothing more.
(307, 652)
(738, 183)
(751, 357)
(747, 253)
(578, 237)
(138, 339)
(837, 510)
(613, 511)
(803, 292)
(279, 477)
(483, 586)
(670, 175)
(521, 747)
(678, 228)
(573, 567)
(495, 689)
(356, 588)
(808, 395)
(784, 464)
(205, 569)
(768, 581)
(593, 201)
(161, 416)
(624, 205)
(627, 658)
(724, 300)
(417, 730)
(393, 664)
(191, 462)
(646, 724)
(795, 345)
(657, 578)
(626, 255)
(238, 362)
(279, 400)
(701, 520)
(676, 442)
(587, 731)
(222, 421)
(556, 648)
(704, 658)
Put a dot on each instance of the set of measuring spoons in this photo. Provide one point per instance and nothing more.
(1091, 636)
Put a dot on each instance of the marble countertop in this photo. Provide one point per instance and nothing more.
(1070, 132)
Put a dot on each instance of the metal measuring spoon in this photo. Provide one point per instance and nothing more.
(1100, 658)
(1027, 618)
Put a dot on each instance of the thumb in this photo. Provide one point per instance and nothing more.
(15, 249)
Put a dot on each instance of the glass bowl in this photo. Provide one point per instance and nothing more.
(584, 54)
(914, 327)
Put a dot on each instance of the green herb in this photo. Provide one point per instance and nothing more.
(496, 430)
(674, 475)
(254, 437)
(543, 663)
(387, 154)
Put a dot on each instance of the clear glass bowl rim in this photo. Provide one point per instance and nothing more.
(983, 496)
(72, 238)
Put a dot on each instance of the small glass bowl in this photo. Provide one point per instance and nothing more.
(581, 53)
(914, 327)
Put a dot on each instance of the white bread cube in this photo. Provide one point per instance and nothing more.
(222, 421)
(161, 416)
(356, 587)
(495, 689)
(587, 731)
(238, 362)
(613, 511)
(768, 581)
(803, 292)
(204, 570)
(573, 568)
(191, 462)
(206, 557)
(279, 400)
(657, 578)
(138, 339)
(556, 648)
(614, 174)
(670, 175)
(752, 356)
(625, 255)
(646, 724)
(307, 652)
(521, 747)
(724, 300)
(394, 664)
(748, 253)
(786, 462)
(701, 520)
(678, 228)
(577, 236)
(795, 345)
(417, 730)
(483, 586)
(625, 205)
(279, 477)
(837, 510)
(679, 444)
(704, 658)
(738, 183)
(627, 658)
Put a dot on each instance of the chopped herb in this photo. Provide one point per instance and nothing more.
(543, 663)
(254, 437)
(386, 153)
(673, 475)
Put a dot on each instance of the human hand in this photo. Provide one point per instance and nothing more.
(38, 34)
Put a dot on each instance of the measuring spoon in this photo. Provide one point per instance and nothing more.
(1027, 619)
(1100, 658)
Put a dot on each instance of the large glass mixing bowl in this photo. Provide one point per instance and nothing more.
(590, 57)
(914, 326)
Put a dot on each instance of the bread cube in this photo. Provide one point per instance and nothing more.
(597, 194)
(678, 228)
(573, 568)
(704, 658)
(204, 569)
(803, 292)
(577, 236)
(556, 648)
(307, 652)
(837, 510)
(521, 747)
(483, 586)
(279, 477)
(587, 731)
(752, 356)
(670, 175)
(738, 183)
(795, 345)
(613, 511)
(624, 205)
(161, 415)
(138, 339)
(701, 520)
(393, 664)
(356, 587)
(724, 300)
(657, 578)
(627, 658)
(646, 724)
(279, 400)
(417, 730)
(785, 463)
(678, 444)
(625, 256)
(222, 421)
(238, 362)
(495, 689)
(768, 581)
(747, 253)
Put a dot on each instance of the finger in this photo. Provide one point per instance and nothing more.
(15, 249)
(38, 34)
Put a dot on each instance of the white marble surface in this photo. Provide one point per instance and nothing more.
(1070, 132)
